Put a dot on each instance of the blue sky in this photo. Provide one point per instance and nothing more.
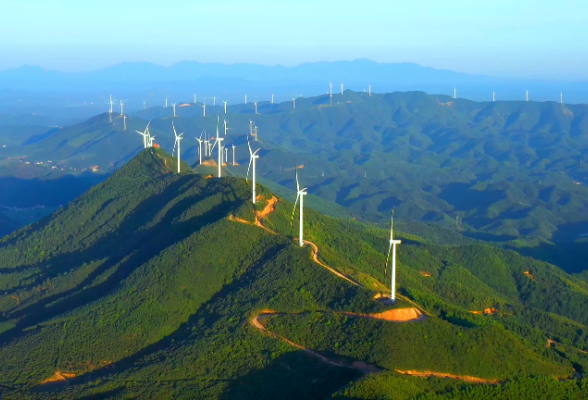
(518, 38)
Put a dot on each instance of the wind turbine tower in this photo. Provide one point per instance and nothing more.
(526, 95)
(204, 110)
(166, 102)
(255, 105)
(493, 96)
(226, 128)
(145, 135)
(122, 108)
(293, 104)
(299, 195)
(256, 139)
(272, 99)
(225, 101)
(370, 91)
(234, 147)
(331, 94)
(144, 105)
(245, 99)
(218, 141)
(110, 111)
(454, 93)
(194, 99)
(252, 157)
(174, 107)
(177, 142)
(392, 251)
(199, 140)
(214, 101)
(124, 122)
(561, 98)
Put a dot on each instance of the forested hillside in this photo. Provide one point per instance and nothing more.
(506, 169)
(156, 284)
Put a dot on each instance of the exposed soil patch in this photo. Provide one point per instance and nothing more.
(465, 378)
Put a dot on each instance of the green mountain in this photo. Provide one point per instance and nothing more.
(507, 169)
(155, 284)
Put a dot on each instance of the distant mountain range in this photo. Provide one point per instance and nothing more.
(137, 82)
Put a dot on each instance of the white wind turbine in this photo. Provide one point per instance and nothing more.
(226, 160)
(199, 140)
(370, 91)
(214, 101)
(151, 139)
(272, 99)
(455, 93)
(122, 108)
(234, 147)
(255, 105)
(124, 122)
(293, 104)
(225, 101)
(174, 107)
(218, 141)
(245, 99)
(526, 95)
(204, 109)
(145, 135)
(177, 142)
(299, 195)
(392, 250)
(226, 128)
(166, 102)
(252, 157)
(341, 89)
(250, 128)
(194, 99)
(110, 111)
(493, 96)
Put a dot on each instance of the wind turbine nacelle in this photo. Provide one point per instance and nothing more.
(395, 241)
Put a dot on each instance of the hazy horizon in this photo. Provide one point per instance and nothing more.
(529, 39)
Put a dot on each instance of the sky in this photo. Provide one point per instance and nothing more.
(509, 38)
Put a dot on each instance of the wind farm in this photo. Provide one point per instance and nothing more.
(376, 202)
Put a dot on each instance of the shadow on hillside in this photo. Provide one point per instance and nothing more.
(126, 249)
(571, 256)
(292, 376)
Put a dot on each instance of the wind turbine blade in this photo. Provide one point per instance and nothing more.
(174, 128)
(174, 149)
(297, 184)
(388, 259)
(248, 145)
(250, 162)
(255, 152)
(294, 209)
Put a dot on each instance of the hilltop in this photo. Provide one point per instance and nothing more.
(156, 284)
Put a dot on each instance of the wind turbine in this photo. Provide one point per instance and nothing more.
(145, 135)
(218, 141)
(144, 105)
(174, 107)
(526, 95)
(122, 108)
(455, 93)
(256, 139)
(226, 161)
(252, 157)
(392, 250)
(214, 101)
(255, 105)
(124, 122)
(341, 89)
(370, 91)
(199, 140)
(110, 112)
(250, 128)
(151, 139)
(293, 104)
(272, 99)
(245, 99)
(493, 96)
(299, 195)
(195, 99)
(330, 93)
(225, 101)
(177, 142)
(226, 128)
(166, 102)
(234, 147)
(204, 109)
